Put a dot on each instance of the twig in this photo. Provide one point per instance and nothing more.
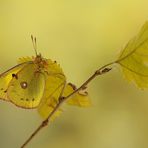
(100, 71)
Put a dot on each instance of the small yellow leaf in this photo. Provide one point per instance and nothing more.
(134, 58)
(80, 99)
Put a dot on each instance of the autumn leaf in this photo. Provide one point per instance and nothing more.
(134, 58)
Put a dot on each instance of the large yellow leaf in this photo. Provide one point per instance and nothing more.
(134, 58)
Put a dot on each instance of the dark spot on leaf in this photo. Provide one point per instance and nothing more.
(33, 99)
(27, 99)
(5, 91)
(2, 89)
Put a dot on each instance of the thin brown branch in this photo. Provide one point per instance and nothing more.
(104, 69)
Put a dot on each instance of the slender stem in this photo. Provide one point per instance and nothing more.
(100, 71)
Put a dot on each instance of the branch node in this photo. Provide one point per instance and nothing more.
(61, 99)
(105, 70)
(45, 122)
(98, 72)
(84, 87)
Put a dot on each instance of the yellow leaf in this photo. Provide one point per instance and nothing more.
(134, 58)
(55, 80)
(80, 99)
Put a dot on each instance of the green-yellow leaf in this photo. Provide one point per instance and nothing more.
(134, 58)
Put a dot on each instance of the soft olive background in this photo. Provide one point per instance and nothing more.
(81, 35)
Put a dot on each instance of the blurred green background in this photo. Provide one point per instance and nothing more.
(81, 35)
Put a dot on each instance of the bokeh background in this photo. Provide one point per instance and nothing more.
(81, 35)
